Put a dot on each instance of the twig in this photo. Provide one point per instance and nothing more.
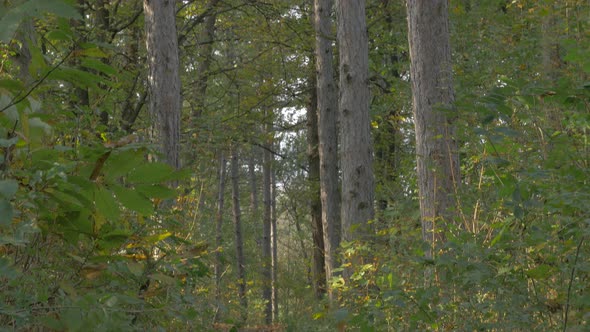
(18, 99)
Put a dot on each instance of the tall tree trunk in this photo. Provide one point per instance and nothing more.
(218, 231)
(27, 38)
(237, 212)
(356, 148)
(318, 259)
(103, 24)
(327, 112)
(266, 230)
(253, 183)
(274, 243)
(206, 53)
(133, 105)
(432, 87)
(164, 79)
(82, 97)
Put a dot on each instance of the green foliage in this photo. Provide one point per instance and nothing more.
(94, 237)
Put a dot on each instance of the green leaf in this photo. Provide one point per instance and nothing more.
(8, 188)
(5, 212)
(14, 86)
(56, 35)
(542, 271)
(80, 78)
(7, 270)
(98, 66)
(122, 162)
(106, 204)
(135, 268)
(150, 173)
(90, 50)
(153, 239)
(163, 279)
(133, 200)
(155, 191)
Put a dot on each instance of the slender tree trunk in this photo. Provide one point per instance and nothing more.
(218, 231)
(133, 104)
(318, 267)
(327, 106)
(237, 212)
(253, 183)
(432, 87)
(82, 97)
(356, 147)
(164, 79)
(103, 24)
(274, 242)
(206, 53)
(27, 37)
(266, 231)
(302, 246)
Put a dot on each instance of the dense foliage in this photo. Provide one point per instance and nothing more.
(96, 233)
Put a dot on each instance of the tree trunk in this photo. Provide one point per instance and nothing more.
(266, 232)
(218, 232)
(206, 54)
(163, 79)
(327, 106)
(133, 104)
(82, 97)
(274, 243)
(432, 87)
(318, 259)
(356, 148)
(27, 38)
(253, 183)
(103, 25)
(237, 212)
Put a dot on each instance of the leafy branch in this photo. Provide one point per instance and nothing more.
(18, 98)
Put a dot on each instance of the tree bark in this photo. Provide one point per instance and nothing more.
(266, 231)
(253, 183)
(356, 147)
(82, 97)
(237, 212)
(432, 87)
(313, 177)
(274, 243)
(205, 63)
(327, 106)
(164, 79)
(102, 18)
(218, 231)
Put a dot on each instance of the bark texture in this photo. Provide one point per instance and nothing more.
(206, 54)
(315, 203)
(164, 79)
(239, 242)
(218, 231)
(266, 232)
(356, 148)
(327, 105)
(432, 88)
(274, 244)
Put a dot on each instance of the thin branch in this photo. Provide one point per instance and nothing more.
(18, 99)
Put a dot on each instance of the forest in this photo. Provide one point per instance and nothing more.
(280, 165)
